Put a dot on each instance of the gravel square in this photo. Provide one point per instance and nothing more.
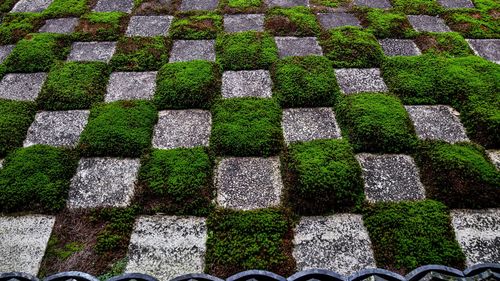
(486, 48)
(379, 4)
(243, 22)
(338, 19)
(149, 26)
(188, 50)
(339, 243)
(286, 3)
(167, 246)
(182, 128)
(60, 26)
(5, 52)
(23, 241)
(494, 157)
(298, 46)
(248, 183)
(437, 122)
(103, 182)
(390, 178)
(57, 128)
(131, 86)
(399, 47)
(425, 23)
(34, 6)
(359, 80)
(306, 124)
(478, 233)
(22, 86)
(456, 3)
(246, 83)
(114, 6)
(199, 5)
(92, 51)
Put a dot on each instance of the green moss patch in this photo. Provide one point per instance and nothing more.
(330, 3)
(15, 27)
(7, 5)
(101, 26)
(481, 116)
(473, 24)
(416, 7)
(15, 119)
(242, 6)
(387, 24)
(66, 8)
(443, 43)
(204, 26)
(140, 53)
(295, 21)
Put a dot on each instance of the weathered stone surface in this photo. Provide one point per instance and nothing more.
(23, 241)
(456, 3)
(246, 83)
(182, 128)
(306, 124)
(1, 163)
(148, 26)
(437, 122)
(131, 86)
(486, 48)
(286, 3)
(338, 19)
(425, 23)
(248, 183)
(391, 177)
(57, 128)
(103, 182)
(60, 26)
(188, 50)
(31, 6)
(114, 5)
(197, 5)
(478, 233)
(339, 243)
(495, 157)
(92, 51)
(380, 4)
(399, 47)
(297, 46)
(358, 80)
(5, 52)
(243, 22)
(167, 247)
(22, 86)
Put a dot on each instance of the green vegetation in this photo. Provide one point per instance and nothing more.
(205, 26)
(246, 50)
(295, 21)
(116, 233)
(66, 8)
(481, 116)
(122, 128)
(140, 53)
(243, 4)
(246, 127)
(15, 27)
(416, 7)
(385, 24)
(449, 44)
(36, 178)
(62, 252)
(15, 119)
(7, 5)
(473, 24)
(330, 3)
(101, 26)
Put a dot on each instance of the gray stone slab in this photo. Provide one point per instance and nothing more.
(246, 83)
(182, 128)
(248, 183)
(379, 4)
(103, 182)
(495, 157)
(5, 52)
(166, 247)
(149, 26)
(60, 26)
(286, 3)
(31, 6)
(478, 233)
(57, 128)
(399, 47)
(425, 23)
(338, 19)
(298, 46)
(437, 122)
(358, 80)
(1, 163)
(92, 51)
(339, 243)
(114, 5)
(131, 86)
(243, 22)
(198, 5)
(306, 124)
(23, 241)
(486, 48)
(456, 3)
(22, 86)
(390, 178)
(188, 50)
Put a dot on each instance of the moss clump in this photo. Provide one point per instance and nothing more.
(140, 53)
(416, 7)
(191, 84)
(295, 21)
(473, 24)
(15, 27)
(386, 24)
(246, 50)
(330, 3)
(449, 44)
(481, 116)
(74, 85)
(242, 6)
(305, 82)
(116, 234)
(15, 119)
(246, 127)
(352, 47)
(122, 128)
(7, 5)
(101, 26)
(205, 26)
(36, 178)
(66, 8)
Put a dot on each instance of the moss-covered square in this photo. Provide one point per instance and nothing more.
(295, 21)
(15, 119)
(16, 26)
(449, 44)
(415, 7)
(199, 26)
(242, 6)
(66, 8)
(387, 24)
(140, 53)
(473, 24)
(101, 26)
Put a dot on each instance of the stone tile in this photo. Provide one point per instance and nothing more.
(114, 5)
(243, 22)
(486, 48)
(149, 26)
(188, 50)
(131, 86)
(306, 124)
(478, 233)
(399, 47)
(338, 19)
(286, 3)
(60, 26)
(5, 52)
(103, 182)
(22, 86)
(246, 83)
(197, 5)
(358, 80)
(437, 122)
(182, 128)
(495, 157)
(166, 247)
(456, 3)
(379, 4)
(23, 241)
(1, 163)
(390, 178)
(339, 243)
(92, 51)
(57, 128)
(298, 46)
(248, 183)
(31, 6)
(425, 23)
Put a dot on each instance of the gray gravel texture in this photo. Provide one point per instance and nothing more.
(92, 51)
(60, 26)
(22, 86)
(359, 80)
(246, 83)
(243, 22)
(338, 19)
(486, 48)
(114, 6)
(131, 86)
(149, 26)
(286, 3)
(379, 4)
(399, 47)
(425, 23)
(450, 4)
(188, 50)
(34, 6)
(198, 5)
(182, 128)
(298, 46)
(5, 52)
(306, 124)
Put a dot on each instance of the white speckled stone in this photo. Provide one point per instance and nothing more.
(22, 86)
(399, 47)
(31, 6)
(425, 23)
(23, 241)
(339, 243)
(188, 50)
(486, 48)
(131, 86)
(198, 5)
(456, 3)
(338, 19)
(60, 26)
(286, 3)
(114, 6)
(1, 163)
(495, 157)
(148, 26)
(246, 83)
(298, 46)
(182, 128)
(92, 51)
(306, 124)
(379, 4)
(359, 80)
(243, 22)
(5, 52)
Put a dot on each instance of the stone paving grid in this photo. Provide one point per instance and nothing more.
(22, 86)
(131, 86)
(182, 128)
(246, 83)
(306, 124)
(92, 51)
(60, 26)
